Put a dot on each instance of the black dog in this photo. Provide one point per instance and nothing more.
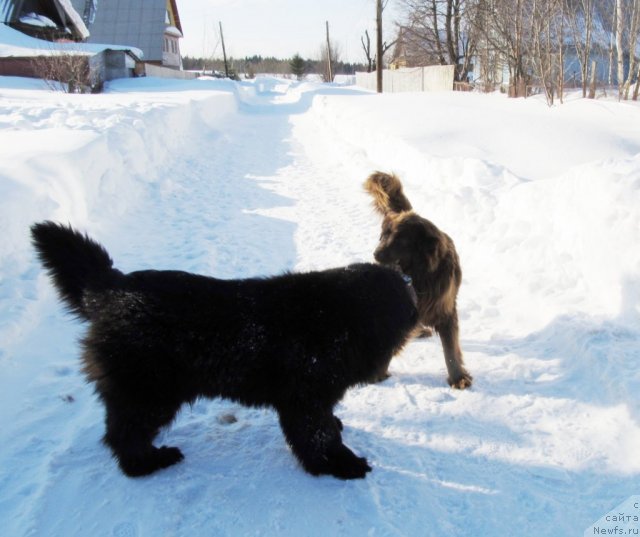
(295, 342)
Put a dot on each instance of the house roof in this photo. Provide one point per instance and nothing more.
(174, 8)
(48, 13)
(16, 44)
(138, 23)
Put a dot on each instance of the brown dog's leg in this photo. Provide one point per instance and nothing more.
(459, 377)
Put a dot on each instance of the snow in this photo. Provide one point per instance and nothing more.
(37, 20)
(255, 178)
(75, 18)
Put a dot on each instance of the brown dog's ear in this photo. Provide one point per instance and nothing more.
(435, 251)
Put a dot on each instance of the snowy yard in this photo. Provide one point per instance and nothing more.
(236, 180)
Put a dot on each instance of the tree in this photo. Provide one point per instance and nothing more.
(367, 51)
(441, 32)
(619, 45)
(631, 28)
(298, 66)
(503, 26)
(547, 21)
(366, 45)
(66, 71)
(324, 64)
(581, 20)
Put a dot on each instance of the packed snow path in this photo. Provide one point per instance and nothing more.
(254, 179)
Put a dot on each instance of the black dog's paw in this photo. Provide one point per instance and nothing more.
(463, 381)
(380, 377)
(168, 456)
(153, 460)
(347, 465)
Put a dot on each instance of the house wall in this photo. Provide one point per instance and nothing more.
(165, 72)
(111, 64)
(18, 67)
(572, 66)
(171, 52)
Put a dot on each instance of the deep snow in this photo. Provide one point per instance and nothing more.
(256, 178)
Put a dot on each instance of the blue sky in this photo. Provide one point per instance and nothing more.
(278, 28)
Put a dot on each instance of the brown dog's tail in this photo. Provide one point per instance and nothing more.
(386, 190)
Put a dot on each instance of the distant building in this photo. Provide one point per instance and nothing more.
(399, 57)
(152, 26)
(53, 20)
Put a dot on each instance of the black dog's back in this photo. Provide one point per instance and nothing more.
(294, 342)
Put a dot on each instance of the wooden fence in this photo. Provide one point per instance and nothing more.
(432, 78)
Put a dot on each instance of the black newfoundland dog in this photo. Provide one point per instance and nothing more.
(428, 256)
(295, 342)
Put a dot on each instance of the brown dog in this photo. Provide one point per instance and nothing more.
(428, 256)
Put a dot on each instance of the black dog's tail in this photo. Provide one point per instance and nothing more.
(74, 262)
(386, 190)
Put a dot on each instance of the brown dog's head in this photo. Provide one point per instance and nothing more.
(410, 242)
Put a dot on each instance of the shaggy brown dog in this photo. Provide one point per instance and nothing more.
(428, 256)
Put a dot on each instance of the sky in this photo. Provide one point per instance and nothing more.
(279, 28)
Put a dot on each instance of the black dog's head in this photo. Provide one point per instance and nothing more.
(411, 243)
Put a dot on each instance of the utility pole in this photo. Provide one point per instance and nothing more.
(379, 51)
(330, 73)
(224, 52)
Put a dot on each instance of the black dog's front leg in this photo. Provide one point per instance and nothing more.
(315, 439)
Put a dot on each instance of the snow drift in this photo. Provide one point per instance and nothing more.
(256, 178)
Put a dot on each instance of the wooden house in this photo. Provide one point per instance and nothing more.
(152, 26)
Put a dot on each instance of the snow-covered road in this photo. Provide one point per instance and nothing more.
(236, 180)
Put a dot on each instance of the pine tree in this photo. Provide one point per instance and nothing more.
(298, 66)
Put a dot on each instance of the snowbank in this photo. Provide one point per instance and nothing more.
(239, 179)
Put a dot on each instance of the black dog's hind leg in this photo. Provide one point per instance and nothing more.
(315, 439)
(130, 433)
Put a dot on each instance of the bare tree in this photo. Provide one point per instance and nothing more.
(631, 28)
(440, 32)
(66, 71)
(366, 45)
(329, 55)
(547, 42)
(372, 61)
(581, 19)
(505, 26)
(619, 45)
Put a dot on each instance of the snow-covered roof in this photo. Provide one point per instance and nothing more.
(74, 17)
(172, 30)
(45, 14)
(33, 19)
(16, 44)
